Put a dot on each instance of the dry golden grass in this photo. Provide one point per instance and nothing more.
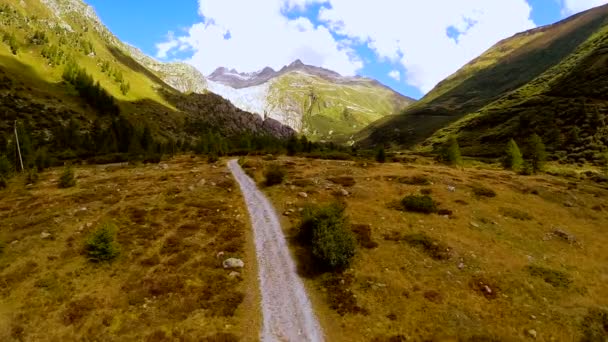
(167, 283)
(486, 268)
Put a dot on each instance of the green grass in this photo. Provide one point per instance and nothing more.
(545, 81)
(341, 109)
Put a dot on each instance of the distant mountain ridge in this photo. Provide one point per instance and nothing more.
(552, 81)
(315, 101)
(164, 96)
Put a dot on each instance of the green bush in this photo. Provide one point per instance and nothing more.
(326, 230)
(100, 246)
(483, 191)
(380, 155)
(274, 175)
(419, 204)
(67, 179)
(5, 166)
(513, 159)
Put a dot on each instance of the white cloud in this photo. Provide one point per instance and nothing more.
(260, 35)
(414, 33)
(395, 74)
(407, 33)
(164, 48)
(574, 6)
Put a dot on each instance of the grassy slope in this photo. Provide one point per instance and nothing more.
(50, 292)
(364, 102)
(409, 294)
(32, 91)
(511, 64)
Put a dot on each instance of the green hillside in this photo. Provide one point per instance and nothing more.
(333, 110)
(61, 68)
(550, 81)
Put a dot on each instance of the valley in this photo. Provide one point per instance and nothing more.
(144, 200)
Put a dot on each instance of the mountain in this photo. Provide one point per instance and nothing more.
(550, 81)
(317, 102)
(59, 63)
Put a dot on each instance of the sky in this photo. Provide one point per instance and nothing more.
(409, 45)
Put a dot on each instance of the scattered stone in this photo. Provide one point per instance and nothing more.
(343, 192)
(303, 195)
(202, 182)
(475, 225)
(45, 235)
(461, 266)
(213, 184)
(163, 166)
(233, 263)
(219, 255)
(568, 204)
(532, 317)
(569, 238)
(191, 188)
(14, 242)
(531, 333)
(287, 213)
(487, 289)
(451, 188)
(234, 275)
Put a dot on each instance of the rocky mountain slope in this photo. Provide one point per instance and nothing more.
(318, 102)
(550, 81)
(41, 38)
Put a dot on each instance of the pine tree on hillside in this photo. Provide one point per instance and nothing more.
(513, 159)
(451, 153)
(380, 155)
(538, 154)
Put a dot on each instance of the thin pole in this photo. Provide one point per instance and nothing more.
(18, 148)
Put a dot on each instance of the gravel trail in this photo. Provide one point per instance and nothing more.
(288, 314)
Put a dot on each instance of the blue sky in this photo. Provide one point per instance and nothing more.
(337, 34)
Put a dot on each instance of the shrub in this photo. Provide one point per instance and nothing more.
(101, 246)
(3, 183)
(538, 155)
(67, 179)
(552, 277)
(32, 176)
(5, 166)
(515, 213)
(380, 155)
(274, 175)
(419, 204)
(212, 158)
(433, 248)
(414, 180)
(325, 229)
(513, 159)
(483, 191)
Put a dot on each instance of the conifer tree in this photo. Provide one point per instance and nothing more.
(538, 155)
(451, 153)
(513, 159)
(380, 155)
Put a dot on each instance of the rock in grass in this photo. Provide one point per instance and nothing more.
(233, 263)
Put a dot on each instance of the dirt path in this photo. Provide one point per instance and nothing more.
(288, 314)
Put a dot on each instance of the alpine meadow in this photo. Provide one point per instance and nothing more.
(287, 170)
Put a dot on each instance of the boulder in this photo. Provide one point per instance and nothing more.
(233, 263)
